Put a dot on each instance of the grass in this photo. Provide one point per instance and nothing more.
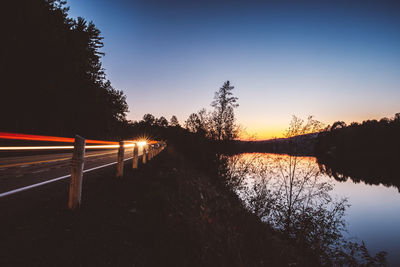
(167, 213)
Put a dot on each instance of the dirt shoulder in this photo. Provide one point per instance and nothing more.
(164, 214)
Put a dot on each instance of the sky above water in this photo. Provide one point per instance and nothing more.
(336, 60)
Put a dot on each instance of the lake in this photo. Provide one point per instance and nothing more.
(373, 214)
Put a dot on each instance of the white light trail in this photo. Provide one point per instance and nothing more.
(141, 143)
(34, 147)
(60, 147)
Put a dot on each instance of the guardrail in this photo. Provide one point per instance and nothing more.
(150, 150)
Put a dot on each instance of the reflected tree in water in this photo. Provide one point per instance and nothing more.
(367, 151)
(289, 193)
(370, 174)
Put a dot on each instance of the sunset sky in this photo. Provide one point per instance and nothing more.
(337, 60)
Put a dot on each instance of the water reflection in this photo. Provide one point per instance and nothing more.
(372, 174)
(295, 197)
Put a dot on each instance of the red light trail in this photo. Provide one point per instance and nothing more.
(31, 137)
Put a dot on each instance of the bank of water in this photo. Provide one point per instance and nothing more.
(374, 212)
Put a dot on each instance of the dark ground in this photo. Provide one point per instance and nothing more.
(164, 214)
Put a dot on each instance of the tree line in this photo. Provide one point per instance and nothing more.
(218, 124)
(367, 151)
(371, 140)
(53, 81)
(202, 136)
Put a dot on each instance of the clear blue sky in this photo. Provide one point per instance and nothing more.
(336, 60)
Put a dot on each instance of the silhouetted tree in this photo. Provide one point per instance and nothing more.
(397, 117)
(289, 193)
(198, 123)
(294, 199)
(338, 125)
(174, 121)
(366, 151)
(162, 121)
(223, 116)
(149, 119)
(52, 74)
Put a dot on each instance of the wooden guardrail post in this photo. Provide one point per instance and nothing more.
(151, 152)
(144, 154)
(120, 162)
(75, 186)
(135, 156)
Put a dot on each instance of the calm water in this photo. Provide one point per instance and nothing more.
(374, 212)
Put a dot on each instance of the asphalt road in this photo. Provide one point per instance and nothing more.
(21, 171)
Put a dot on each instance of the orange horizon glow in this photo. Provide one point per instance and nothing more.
(277, 130)
(260, 134)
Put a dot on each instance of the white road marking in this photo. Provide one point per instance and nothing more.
(53, 180)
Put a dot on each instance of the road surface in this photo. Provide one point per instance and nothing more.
(21, 171)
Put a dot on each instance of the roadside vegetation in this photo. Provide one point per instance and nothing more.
(183, 208)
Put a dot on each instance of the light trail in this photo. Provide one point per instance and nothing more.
(53, 180)
(141, 143)
(129, 145)
(61, 147)
(99, 145)
(32, 137)
(52, 160)
(34, 147)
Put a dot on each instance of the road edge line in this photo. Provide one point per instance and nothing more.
(21, 189)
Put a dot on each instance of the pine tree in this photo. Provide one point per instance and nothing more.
(223, 116)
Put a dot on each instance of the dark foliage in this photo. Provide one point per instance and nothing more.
(220, 123)
(166, 213)
(223, 116)
(366, 152)
(52, 78)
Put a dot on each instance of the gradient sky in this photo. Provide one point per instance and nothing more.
(336, 60)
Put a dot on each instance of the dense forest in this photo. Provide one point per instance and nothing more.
(52, 77)
(371, 141)
(367, 151)
(54, 83)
